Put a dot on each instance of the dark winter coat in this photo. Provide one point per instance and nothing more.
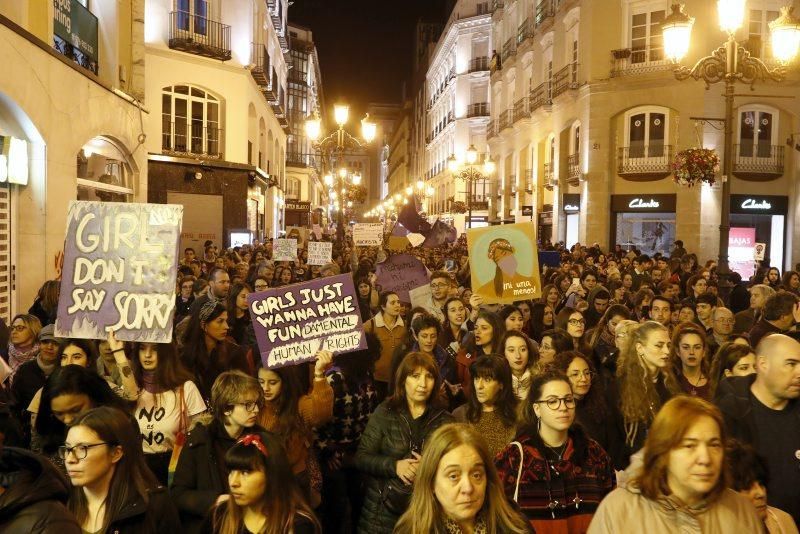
(385, 441)
(200, 476)
(35, 501)
(156, 516)
(565, 492)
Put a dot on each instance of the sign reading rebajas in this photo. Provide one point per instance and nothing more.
(293, 322)
(120, 265)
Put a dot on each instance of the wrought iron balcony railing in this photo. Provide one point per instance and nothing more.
(298, 159)
(544, 10)
(645, 161)
(521, 110)
(540, 96)
(524, 31)
(478, 64)
(192, 139)
(199, 35)
(548, 175)
(260, 65)
(491, 129)
(627, 62)
(509, 49)
(573, 169)
(565, 79)
(758, 161)
(478, 109)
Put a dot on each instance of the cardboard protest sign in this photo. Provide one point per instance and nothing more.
(400, 273)
(284, 249)
(293, 322)
(504, 262)
(319, 252)
(368, 234)
(420, 296)
(299, 233)
(758, 251)
(120, 265)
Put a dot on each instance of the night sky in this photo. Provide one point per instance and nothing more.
(365, 47)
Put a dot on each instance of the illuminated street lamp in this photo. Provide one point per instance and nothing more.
(471, 171)
(729, 64)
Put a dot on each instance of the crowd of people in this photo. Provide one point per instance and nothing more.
(637, 394)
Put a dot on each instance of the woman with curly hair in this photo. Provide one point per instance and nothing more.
(458, 489)
(644, 383)
(491, 405)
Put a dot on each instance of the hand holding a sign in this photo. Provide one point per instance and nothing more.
(129, 386)
(324, 360)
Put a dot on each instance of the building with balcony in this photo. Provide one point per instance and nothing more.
(304, 188)
(458, 108)
(585, 107)
(399, 176)
(216, 81)
(71, 114)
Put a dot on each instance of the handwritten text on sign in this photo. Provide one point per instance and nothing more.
(293, 322)
(401, 273)
(119, 271)
(368, 234)
(319, 252)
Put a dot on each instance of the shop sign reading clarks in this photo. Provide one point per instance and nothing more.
(759, 204)
(655, 203)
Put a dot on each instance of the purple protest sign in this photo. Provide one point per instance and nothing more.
(293, 322)
(120, 265)
(401, 272)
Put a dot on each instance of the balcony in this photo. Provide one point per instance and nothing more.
(260, 66)
(491, 129)
(478, 64)
(548, 176)
(298, 159)
(521, 110)
(199, 35)
(526, 180)
(758, 162)
(573, 169)
(195, 140)
(478, 109)
(644, 162)
(524, 32)
(540, 96)
(565, 79)
(272, 89)
(479, 203)
(545, 11)
(506, 120)
(627, 62)
(509, 49)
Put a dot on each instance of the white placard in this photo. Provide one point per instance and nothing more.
(284, 250)
(420, 296)
(368, 234)
(319, 252)
(758, 251)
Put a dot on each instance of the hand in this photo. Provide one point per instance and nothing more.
(324, 359)
(113, 343)
(407, 469)
(223, 498)
(475, 300)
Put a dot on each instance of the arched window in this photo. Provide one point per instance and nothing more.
(647, 131)
(190, 121)
(758, 130)
(104, 172)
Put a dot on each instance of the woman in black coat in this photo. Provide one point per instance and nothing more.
(390, 446)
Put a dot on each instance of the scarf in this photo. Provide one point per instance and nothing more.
(47, 369)
(452, 527)
(149, 382)
(522, 384)
(17, 357)
(607, 337)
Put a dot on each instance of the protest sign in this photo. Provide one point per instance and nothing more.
(397, 243)
(504, 262)
(319, 252)
(420, 296)
(758, 251)
(284, 250)
(299, 233)
(293, 322)
(400, 273)
(120, 265)
(368, 234)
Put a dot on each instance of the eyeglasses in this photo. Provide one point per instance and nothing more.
(252, 406)
(554, 403)
(261, 287)
(19, 327)
(577, 374)
(576, 322)
(78, 451)
(439, 286)
(726, 321)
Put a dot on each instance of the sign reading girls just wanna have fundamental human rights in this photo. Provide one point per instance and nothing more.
(120, 266)
(293, 322)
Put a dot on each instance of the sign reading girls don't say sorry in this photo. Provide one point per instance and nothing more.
(120, 265)
(293, 322)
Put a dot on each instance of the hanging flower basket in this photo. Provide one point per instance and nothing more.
(695, 165)
(458, 207)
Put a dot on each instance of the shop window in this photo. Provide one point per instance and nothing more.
(103, 172)
(190, 121)
(293, 188)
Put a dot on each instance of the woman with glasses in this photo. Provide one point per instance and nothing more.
(554, 342)
(200, 478)
(601, 338)
(185, 298)
(572, 322)
(491, 406)
(389, 451)
(22, 341)
(689, 349)
(265, 498)
(261, 283)
(553, 471)
(293, 414)
(592, 411)
(112, 488)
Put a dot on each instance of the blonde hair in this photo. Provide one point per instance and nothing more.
(230, 388)
(32, 322)
(425, 515)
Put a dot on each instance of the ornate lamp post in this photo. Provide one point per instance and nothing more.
(729, 64)
(470, 171)
(333, 148)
